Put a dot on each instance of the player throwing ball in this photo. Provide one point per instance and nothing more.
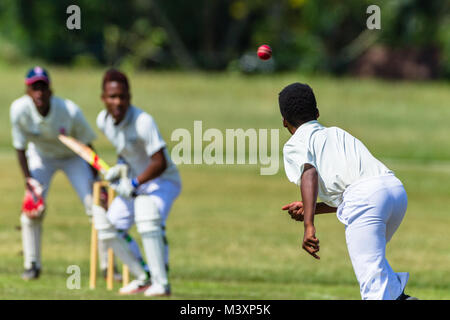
(369, 200)
(37, 119)
(145, 196)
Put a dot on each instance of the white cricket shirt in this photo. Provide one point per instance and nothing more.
(339, 158)
(136, 138)
(31, 129)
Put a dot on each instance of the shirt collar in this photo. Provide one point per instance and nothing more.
(306, 125)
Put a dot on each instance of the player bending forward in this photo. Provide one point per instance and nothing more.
(369, 200)
(152, 177)
(37, 119)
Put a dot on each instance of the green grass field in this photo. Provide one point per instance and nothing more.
(229, 239)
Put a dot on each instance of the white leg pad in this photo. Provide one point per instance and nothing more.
(122, 250)
(103, 254)
(146, 215)
(104, 227)
(31, 240)
(109, 236)
(148, 222)
(105, 231)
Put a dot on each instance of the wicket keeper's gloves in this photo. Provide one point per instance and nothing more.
(33, 204)
(126, 188)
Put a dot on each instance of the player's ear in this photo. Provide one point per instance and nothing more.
(285, 123)
(318, 114)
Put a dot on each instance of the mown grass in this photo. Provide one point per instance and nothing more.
(229, 239)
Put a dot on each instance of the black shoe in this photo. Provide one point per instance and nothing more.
(404, 296)
(32, 273)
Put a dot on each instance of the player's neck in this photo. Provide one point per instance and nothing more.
(44, 111)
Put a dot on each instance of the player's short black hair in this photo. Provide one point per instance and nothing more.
(115, 75)
(297, 104)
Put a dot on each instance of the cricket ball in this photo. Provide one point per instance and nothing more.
(264, 52)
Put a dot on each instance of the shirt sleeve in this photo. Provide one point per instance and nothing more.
(82, 131)
(101, 120)
(19, 139)
(150, 135)
(296, 155)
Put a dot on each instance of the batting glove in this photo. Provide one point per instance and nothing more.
(115, 172)
(126, 187)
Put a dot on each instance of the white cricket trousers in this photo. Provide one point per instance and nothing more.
(372, 210)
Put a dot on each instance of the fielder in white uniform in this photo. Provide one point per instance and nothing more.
(37, 118)
(145, 196)
(370, 201)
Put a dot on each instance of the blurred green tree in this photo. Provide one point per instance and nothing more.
(306, 35)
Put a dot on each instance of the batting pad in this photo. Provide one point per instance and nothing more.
(148, 222)
(110, 237)
(31, 240)
(105, 229)
(122, 250)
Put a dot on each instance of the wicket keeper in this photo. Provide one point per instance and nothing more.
(37, 118)
(369, 199)
(145, 196)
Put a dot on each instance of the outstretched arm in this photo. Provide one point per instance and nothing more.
(309, 187)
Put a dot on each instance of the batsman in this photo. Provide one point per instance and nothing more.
(37, 118)
(145, 196)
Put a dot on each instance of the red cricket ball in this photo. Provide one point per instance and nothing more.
(264, 52)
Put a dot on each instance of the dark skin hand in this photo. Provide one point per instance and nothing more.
(295, 209)
(117, 99)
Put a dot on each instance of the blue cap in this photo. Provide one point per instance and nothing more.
(37, 74)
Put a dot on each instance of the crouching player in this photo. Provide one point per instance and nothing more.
(369, 200)
(37, 119)
(145, 196)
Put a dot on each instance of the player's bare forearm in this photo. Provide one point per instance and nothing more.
(23, 162)
(156, 167)
(309, 189)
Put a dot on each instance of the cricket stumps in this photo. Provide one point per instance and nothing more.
(99, 201)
